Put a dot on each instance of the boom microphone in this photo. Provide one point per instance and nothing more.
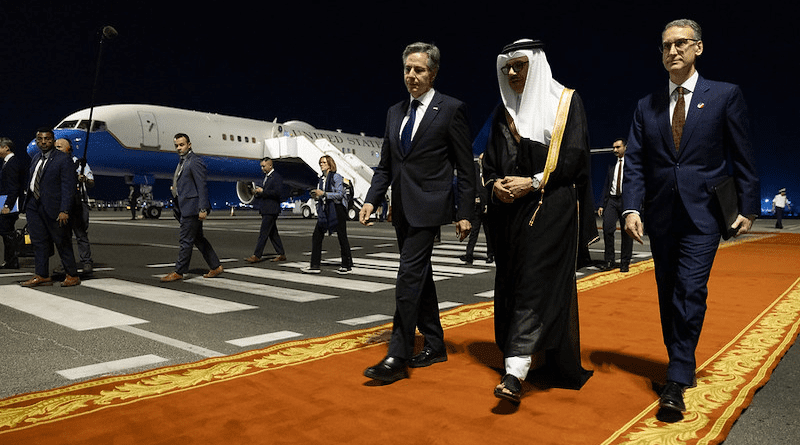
(109, 32)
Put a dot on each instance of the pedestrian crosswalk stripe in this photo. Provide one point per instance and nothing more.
(487, 294)
(448, 304)
(62, 311)
(364, 320)
(169, 297)
(334, 264)
(461, 270)
(199, 350)
(318, 280)
(262, 290)
(110, 367)
(264, 338)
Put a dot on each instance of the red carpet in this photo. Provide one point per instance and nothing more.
(313, 391)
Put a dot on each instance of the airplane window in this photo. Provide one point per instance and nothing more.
(98, 126)
(224, 137)
(239, 138)
(254, 140)
(67, 124)
(246, 139)
(231, 138)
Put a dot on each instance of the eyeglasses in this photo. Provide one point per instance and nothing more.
(680, 45)
(517, 66)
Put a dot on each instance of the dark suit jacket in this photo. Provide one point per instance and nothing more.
(423, 179)
(58, 183)
(268, 202)
(192, 188)
(607, 184)
(715, 143)
(12, 182)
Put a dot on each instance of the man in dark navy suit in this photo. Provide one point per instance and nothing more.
(50, 195)
(684, 141)
(268, 202)
(427, 136)
(190, 193)
(13, 171)
(611, 212)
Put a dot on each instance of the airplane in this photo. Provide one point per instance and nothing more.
(135, 141)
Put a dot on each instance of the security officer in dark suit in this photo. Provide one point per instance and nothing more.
(268, 202)
(50, 195)
(611, 211)
(12, 187)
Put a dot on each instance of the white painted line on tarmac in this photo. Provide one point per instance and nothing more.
(487, 294)
(317, 280)
(62, 311)
(262, 290)
(462, 270)
(365, 320)
(168, 297)
(110, 367)
(199, 350)
(448, 305)
(265, 338)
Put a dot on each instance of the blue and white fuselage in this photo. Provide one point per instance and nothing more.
(136, 141)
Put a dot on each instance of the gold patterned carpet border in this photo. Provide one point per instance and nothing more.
(726, 381)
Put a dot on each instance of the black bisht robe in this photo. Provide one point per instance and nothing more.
(535, 301)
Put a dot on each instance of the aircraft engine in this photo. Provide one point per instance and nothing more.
(244, 190)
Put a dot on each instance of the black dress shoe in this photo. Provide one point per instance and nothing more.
(672, 397)
(426, 358)
(10, 265)
(608, 265)
(466, 259)
(389, 370)
(625, 267)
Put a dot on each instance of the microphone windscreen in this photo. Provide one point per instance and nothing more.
(109, 32)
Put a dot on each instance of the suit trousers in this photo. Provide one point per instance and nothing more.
(415, 294)
(269, 230)
(79, 221)
(612, 214)
(44, 231)
(191, 234)
(341, 234)
(479, 219)
(683, 259)
(7, 223)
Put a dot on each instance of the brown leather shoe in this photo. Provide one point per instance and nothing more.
(279, 258)
(253, 259)
(37, 281)
(213, 272)
(71, 281)
(173, 276)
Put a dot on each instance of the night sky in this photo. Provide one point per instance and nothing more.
(337, 65)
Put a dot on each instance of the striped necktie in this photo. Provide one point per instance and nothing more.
(678, 118)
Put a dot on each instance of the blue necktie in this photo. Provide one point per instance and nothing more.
(405, 136)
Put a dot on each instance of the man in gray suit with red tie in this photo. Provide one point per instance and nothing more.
(684, 141)
(427, 136)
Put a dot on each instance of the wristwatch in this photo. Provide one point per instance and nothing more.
(535, 183)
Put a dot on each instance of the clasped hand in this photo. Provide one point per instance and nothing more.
(512, 187)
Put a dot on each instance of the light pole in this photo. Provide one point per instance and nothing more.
(108, 33)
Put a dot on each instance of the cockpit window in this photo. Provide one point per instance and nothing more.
(96, 125)
(66, 124)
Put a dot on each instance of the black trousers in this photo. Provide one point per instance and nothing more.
(612, 214)
(416, 302)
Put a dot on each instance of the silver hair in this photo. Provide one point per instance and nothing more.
(434, 56)
(6, 142)
(685, 23)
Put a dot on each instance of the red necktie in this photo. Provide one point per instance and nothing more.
(678, 118)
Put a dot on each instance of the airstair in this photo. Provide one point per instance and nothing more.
(348, 165)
